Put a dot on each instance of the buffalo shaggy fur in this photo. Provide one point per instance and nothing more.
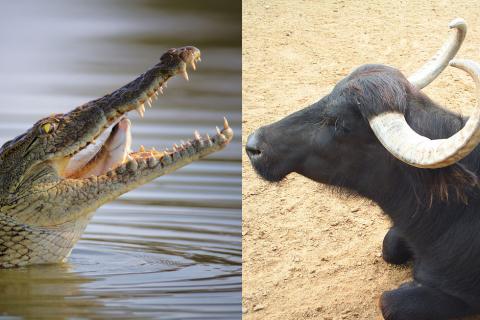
(435, 212)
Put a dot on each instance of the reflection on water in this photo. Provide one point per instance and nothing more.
(172, 248)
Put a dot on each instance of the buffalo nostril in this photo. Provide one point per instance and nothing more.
(251, 147)
(252, 151)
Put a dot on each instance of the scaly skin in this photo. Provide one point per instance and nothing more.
(43, 212)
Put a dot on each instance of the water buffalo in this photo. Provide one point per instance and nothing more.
(377, 135)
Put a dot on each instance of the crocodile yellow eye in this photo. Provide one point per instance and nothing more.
(47, 127)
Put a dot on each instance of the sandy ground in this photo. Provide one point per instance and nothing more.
(308, 253)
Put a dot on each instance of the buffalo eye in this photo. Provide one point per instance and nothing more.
(340, 126)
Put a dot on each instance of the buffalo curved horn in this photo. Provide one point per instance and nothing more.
(432, 68)
(393, 131)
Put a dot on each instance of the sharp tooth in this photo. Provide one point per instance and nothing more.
(149, 102)
(192, 63)
(156, 95)
(197, 135)
(209, 142)
(141, 110)
(225, 123)
(142, 148)
(161, 89)
(218, 131)
(185, 74)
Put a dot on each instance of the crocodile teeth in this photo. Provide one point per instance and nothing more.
(141, 110)
(185, 74)
(225, 123)
(197, 135)
(192, 63)
(209, 141)
(161, 89)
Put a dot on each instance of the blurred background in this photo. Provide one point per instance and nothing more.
(172, 248)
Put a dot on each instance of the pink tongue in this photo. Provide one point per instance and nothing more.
(79, 160)
(113, 152)
(118, 145)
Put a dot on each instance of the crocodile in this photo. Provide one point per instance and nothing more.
(55, 175)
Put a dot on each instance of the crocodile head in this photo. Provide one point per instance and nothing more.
(62, 169)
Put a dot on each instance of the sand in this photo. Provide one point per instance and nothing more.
(309, 253)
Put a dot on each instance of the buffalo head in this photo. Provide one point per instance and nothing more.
(374, 115)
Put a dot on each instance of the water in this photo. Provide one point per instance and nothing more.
(172, 248)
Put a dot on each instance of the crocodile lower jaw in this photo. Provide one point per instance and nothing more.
(112, 150)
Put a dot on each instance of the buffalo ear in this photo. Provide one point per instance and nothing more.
(379, 92)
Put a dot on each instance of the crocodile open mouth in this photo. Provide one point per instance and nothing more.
(108, 146)
(113, 149)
